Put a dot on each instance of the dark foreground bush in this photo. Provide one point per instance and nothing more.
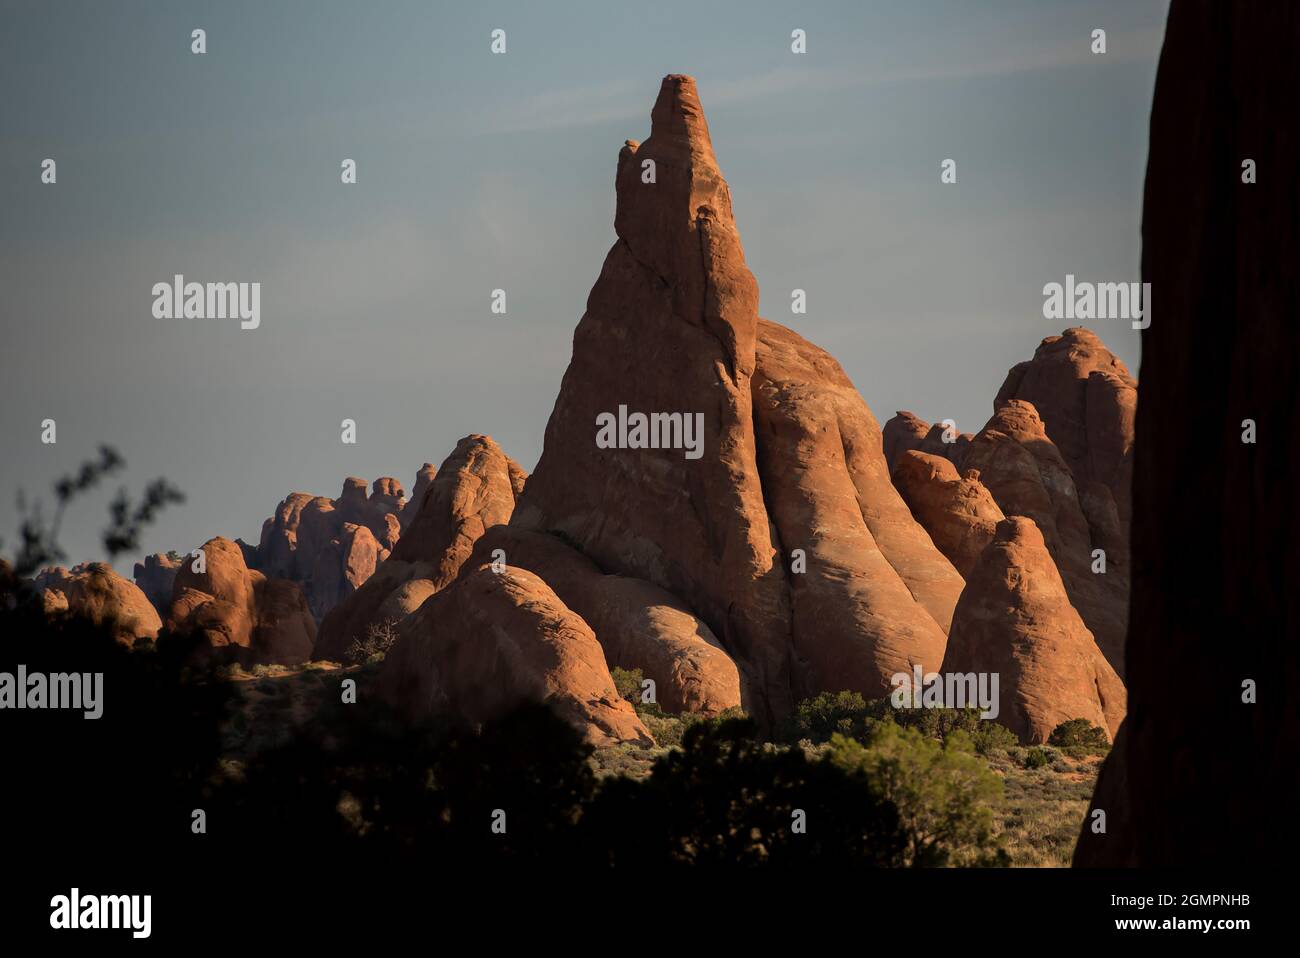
(360, 790)
(727, 798)
(114, 789)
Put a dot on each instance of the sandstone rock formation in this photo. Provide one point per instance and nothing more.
(155, 577)
(877, 595)
(496, 641)
(672, 326)
(904, 431)
(285, 630)
(423, 478)
(94, 591)
(1022, 468)
(1070, 474)
(908, 431)
(237, 608)
(475, 488)
(958, 511)
(331, 546)
(1087, 401)
(638, 624)
(1198, 776)
(1015, 619)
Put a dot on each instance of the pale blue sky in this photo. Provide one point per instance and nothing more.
(479, 171)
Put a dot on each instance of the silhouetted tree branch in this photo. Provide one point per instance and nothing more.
(39, 542)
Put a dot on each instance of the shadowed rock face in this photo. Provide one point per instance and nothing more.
(672, 325)
(1198, 776)
(285, 629)
(94, 591)
(155, 578)
(904, 431)
(423, 479)
(496, 641)
(474, 489)
(1015, 619)
(230, 605)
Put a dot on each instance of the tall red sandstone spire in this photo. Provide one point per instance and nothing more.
(672, 326)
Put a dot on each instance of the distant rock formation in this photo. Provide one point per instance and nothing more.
(907, 431)
(1203, 771)
(155, 577)
(95, 592)
(423, 478)
(1015, 619)
(239, 609)
(331, 546)
(958, 511)
(903, 432)
(474, 489)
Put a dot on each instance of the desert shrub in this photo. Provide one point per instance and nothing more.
(816, 719)
(940, 723)
(1036, 758)
(943, 792)
(1081, 752)
(829, 713)
(628, 683)
(379, 638)
(625, 759)
(990, 737)
(668, 728)
(1080, 733)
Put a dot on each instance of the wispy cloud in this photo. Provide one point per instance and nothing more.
(561, 109)
(625, 100)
